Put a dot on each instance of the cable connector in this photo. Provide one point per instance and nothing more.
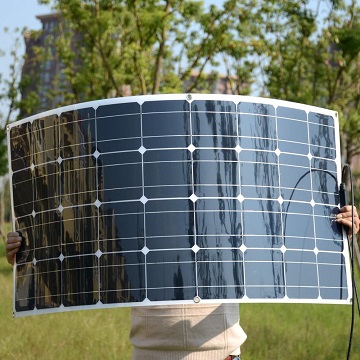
(343, 195)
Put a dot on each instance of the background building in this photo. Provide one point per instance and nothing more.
(42, 65)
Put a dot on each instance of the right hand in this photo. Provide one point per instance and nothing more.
(13, 243)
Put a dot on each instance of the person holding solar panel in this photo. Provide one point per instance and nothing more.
(191, 332)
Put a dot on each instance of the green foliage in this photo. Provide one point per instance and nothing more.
(348, 40)
(317, 65)
(9, 98)
(302, 51)
(3, 152)
(149, 46)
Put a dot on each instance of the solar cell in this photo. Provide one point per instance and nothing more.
(168, 199)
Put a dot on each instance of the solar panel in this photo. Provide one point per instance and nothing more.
(164, 199)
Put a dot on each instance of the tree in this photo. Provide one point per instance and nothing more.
(157, 46)
(318, 65)
(9, 98)
(106, 47)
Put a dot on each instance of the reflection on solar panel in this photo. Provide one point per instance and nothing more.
(177, 198)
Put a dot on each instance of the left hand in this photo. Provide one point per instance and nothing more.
(344, 218)
(13, 243)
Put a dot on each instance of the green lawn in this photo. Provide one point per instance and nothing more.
(274, 331)
(91, 334)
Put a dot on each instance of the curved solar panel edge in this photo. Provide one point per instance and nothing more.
(182, 198)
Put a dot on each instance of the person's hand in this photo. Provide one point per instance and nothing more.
(344, 218)
(13, 243)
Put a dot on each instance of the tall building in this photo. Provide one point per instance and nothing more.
(41, 75)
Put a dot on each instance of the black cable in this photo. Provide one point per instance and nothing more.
(298, 182)
(344, 201)
(352, 250)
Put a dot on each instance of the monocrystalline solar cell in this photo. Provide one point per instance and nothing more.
(168, 199)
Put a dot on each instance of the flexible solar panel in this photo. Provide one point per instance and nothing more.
(165, 199)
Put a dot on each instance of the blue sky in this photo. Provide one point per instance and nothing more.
(17, 13)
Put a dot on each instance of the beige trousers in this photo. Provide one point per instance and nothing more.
(191, 332)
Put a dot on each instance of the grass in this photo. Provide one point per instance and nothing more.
(275, 331)
(301, 331)
(95, 334)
